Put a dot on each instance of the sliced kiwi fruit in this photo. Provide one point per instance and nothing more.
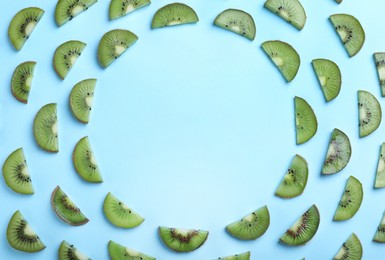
(182, 240)
(66, 56)
(45, 128)
(379, 59)
(85, 162)
(369, 113)
(351, 249)
(81, 99)
(305, 121)
(329, 77)
(242, 256)
(289, 10)
(284, 57)
(379, 236)
(380, 175)
(21, 236)
(174, 14)
(23, 24)
(66, 10)
(338, 1)
(338, 154)
(113, 44)
(69, 252)
(237, 21)
(119, 8)
(119, 252)
(350, 201)
(16, 174)
(350, 31)
(22, 80)
(303, 229)
(295, 179)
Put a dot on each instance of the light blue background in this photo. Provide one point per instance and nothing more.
(193, 127)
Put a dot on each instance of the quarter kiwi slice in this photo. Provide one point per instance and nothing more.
(303, 229)
(252, 226)
(329, 77)
(350, 31)
(85, 162)
(242, 256)
(350, 201)
(81, 99)
(45, 128)
(369, 113)
(379, 236)
(174, 14)
(380, 175)
(66, 10)
(305, 121)
(182, 240)
(284, 57)
(66, 56)
(22, 80)
(351, 249)
(119, 252)
(379, 59)
(70, 252)
(21, 236)
(237, 21)
(338, 154)
(290, 10)
(119, 8)
(23, 24)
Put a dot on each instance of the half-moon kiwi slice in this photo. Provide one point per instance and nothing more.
(303, 229)
(119, 8)
(379, 59)
(66, 10)
(242, 256)
(252, 226)
(329, 77)
(351, 249)
(23, 24)
(350, 201)
(379, 236)
(290, 10)
(182, 240)
(174, 14)
(237, 21)
(305, 121)
(369, 113)
(70, 252)
(81, 99)
(119, 252)
(45, 128)
(66, 56)
(380, 175)
(22, 80)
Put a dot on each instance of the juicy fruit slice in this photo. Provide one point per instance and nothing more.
(380, 175)
(66, 10)
(21, 236)
(329, 77)
(66, 56)
(22, 80)
(350, 31)
(16, 174)
(369, 113)
(69, 252)
(119, 8)
(351, 249)
(379, 236)
(284, 57)
(305, 121)
(350, 201)
(243, 256)
(119, 252)
(23, 24)
(81, 99)
(85, 162)
(379, 59)
(45, 128)
(295, 179)
(290, 10)
(338, 154)
(251, 226)
(113, 44)
(237, 21)
(182, 240)
(174, 14)
(303, 229)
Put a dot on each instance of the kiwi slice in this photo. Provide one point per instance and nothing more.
(295, 179)
(284, 57)
(66, 56)
(85, 162)
(289, 10)
(338, 154)
(81, 99)
(119, 8)
(243, 256)
(237, 21)
(66, 10)
(338, 1)
(380, 175)
(119, 252)
(351, 249)
(369, 113)
(305, 121)
(69, 252)
(350, 31)
(23, 24)
(174, 14)
(329, 77)
(303, 229)
(182, 240)
(113, 44)
(21, 236)
(252, 226)
(45, 128)
(350, 201)
(379, 236)
(22, 80)
(379, 59)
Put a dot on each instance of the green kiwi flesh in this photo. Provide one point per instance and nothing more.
(284, 57)
(16, 174)
(237, 21)
(174, 14)
(290, 10)
(66, 209)
(380, 175)
(119, 252)
(305, 121)
(81, 99)
(351, 249)
(252, 226)
(350, 201)
(119, 8)
(182, 240)
(303, 229)
(22, 80)
(338, 154)
(69, 252)
(23, 24)
(21, 236)
(379, 59)
(338, 1)
(369, 113)
(329, 77)
(379, 236)
(85, 162)
(66, 56)
(350, 31)
(45, 128)
(66, 10)
(243, 256)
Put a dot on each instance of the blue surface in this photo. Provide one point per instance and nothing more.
(193, 127)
